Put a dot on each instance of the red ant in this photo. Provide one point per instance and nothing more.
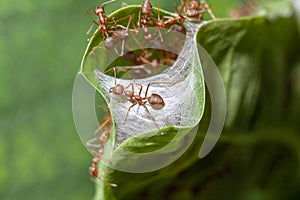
(102, 138)
(118, 35)
(155, 100)
(194, 10)
(146, 10)
(159, 23)
(100, 12)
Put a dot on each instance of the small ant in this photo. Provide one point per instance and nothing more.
(171, 20)
(118, 35)
(194, 10)
(100, 12)
(146, 10)
(145, 18)
(102, 139)
(155, 100)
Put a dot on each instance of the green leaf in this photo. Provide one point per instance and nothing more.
(146, 146)
(254, 55)
(229, 42)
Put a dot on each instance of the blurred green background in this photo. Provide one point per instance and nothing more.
(41, 45)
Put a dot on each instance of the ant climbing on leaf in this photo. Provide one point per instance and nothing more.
(101, 139)
(118, 35)
(110, 26)
(146, 19)
(102, 18)
(194, 10)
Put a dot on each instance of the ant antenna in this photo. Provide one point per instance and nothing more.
(208, 9)
(108, 2)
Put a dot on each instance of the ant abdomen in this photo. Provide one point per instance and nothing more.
(93, 171)
(109, 43)
(156, 101)
(146, 7)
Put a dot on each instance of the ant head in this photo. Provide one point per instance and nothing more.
(117, 90)
(194, 4)
(99, 10)
(147, 7)
(93, 171)
(112, 90)
(160, 23)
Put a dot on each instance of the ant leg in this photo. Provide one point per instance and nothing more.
(115, 74)
(124, 101)
(141, 88)
(135, 103)
(96, 22)
(101, 126)
(89, 31)
(157, 83)
(107, 2)
(160, 36)
(94, 145)
(99, 154)
(115, 79)
(152, 118)
(132, 87)
(90, 143)
(158, 16)
(123, 42)
(207, 8)
(106, 182)
(140, 67)
(139, 20)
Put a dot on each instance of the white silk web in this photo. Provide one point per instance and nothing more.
(183, 94)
